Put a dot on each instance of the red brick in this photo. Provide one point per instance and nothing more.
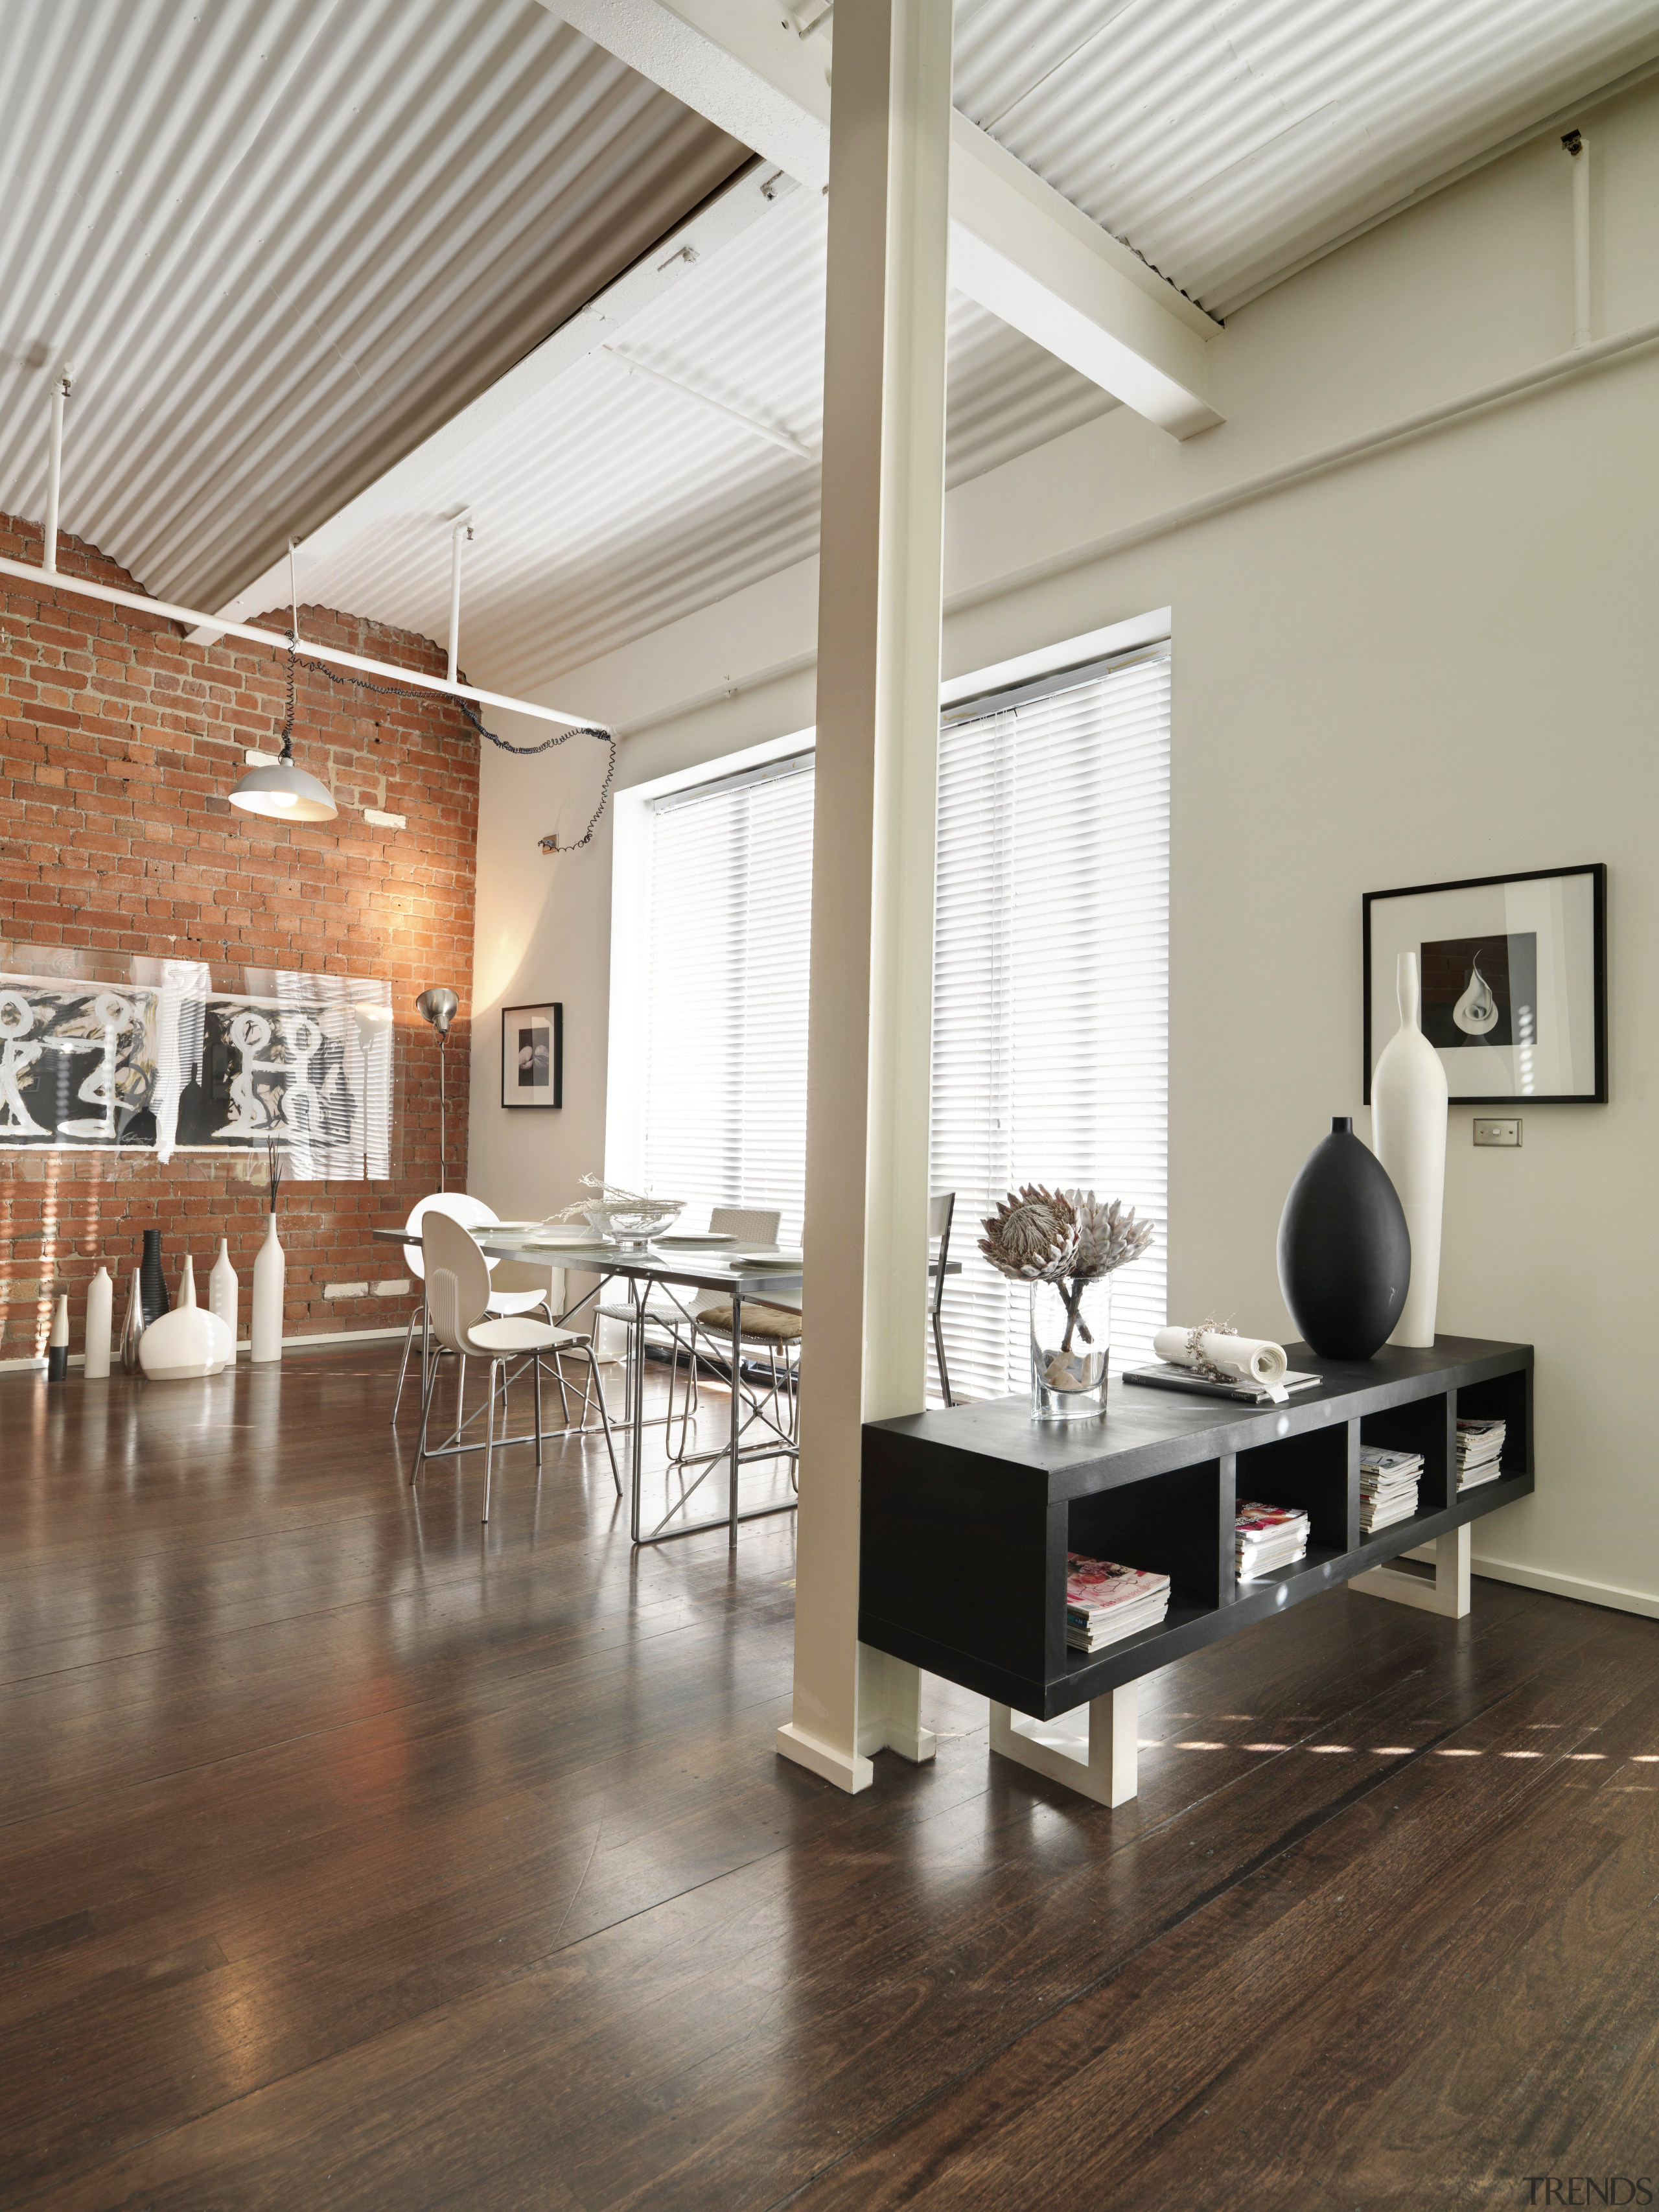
(121, 742)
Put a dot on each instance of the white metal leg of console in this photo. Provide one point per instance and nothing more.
(1449, 1592)
(1099, 1762)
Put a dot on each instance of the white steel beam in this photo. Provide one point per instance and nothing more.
(1017, 247)
(870, 1002)
(531, 383)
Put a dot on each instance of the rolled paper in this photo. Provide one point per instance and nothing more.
(1247, 1359)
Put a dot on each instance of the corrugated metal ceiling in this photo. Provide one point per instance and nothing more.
(623, 505)
(1226, 143)
(282, 240)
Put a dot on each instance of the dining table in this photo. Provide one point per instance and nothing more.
(738, 1271)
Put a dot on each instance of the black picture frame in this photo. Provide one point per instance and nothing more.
(1597, 874)
(544, 1086)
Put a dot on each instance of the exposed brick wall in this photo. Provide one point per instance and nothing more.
(119, 742)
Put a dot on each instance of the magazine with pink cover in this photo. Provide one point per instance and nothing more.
(1101, 1585)
(1255, 1522)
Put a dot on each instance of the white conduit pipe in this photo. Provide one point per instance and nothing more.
(459, 536)
(1578, 147)
(55, 472)
(276, 640)
(1311, 464)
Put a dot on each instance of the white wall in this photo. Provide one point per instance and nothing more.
(1433, 663)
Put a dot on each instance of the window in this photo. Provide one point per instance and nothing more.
(724, 1119)
(1051, 985)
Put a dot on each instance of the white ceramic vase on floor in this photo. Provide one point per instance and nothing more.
(269, 1274)
(100, 1301)
(186, 1344)
(1408, 1128)
(224, 1292)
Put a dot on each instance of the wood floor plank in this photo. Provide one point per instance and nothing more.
(353, 1855)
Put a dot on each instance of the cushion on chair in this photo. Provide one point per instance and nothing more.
(767, 1324)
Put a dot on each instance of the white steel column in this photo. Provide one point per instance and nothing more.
(873, 848)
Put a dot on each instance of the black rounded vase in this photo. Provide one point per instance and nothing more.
(1344, 1254)
(152, 1283)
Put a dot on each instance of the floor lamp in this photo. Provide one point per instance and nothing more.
(440, 1007)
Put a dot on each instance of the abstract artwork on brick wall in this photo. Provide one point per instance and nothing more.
(164, 1062)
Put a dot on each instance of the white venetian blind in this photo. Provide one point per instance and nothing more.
(725, 1120)
(1051, 987)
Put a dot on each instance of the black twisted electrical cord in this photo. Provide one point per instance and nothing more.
(409, 691)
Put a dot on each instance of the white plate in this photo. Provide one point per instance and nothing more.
(695, 1243)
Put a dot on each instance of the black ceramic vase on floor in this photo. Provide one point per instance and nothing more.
(152, 1283)
(1344, 1254)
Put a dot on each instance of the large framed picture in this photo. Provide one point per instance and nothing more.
(1514, 974)
(533, 1055)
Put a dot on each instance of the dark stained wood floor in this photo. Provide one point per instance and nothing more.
(353, 1856)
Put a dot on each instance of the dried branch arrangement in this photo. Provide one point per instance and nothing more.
(601, 1193)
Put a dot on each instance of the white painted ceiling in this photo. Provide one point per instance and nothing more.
(1228, 141)
(284, 239)
(623, 505)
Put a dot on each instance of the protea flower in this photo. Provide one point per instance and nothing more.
(1108, 1236)
(1032, 1236)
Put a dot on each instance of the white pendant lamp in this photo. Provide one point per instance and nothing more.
(281, 792)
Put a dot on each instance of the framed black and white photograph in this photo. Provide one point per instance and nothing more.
(1513, 972)
(533, 1055)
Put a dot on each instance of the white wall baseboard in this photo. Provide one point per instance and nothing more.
(289, 1343)
(1573, 1586)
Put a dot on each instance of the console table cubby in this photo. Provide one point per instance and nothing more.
(969, 1513)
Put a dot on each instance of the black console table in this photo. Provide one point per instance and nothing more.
(969, 1513)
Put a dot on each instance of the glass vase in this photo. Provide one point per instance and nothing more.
(1071, 1347)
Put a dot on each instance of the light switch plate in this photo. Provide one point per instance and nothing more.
(1501, 1131)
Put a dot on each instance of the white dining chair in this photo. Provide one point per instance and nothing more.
(458, 1301)
(472, 1214)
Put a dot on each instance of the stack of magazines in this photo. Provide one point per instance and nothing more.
(1269, 1536)
(1387, 1486)
(1105, 1602)
(1480, 1448)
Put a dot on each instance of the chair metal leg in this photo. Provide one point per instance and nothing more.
(409, 1345)
(426, 1415)
(538, 1413)
(604, 1419)
(938, 1353)
(489, 1433)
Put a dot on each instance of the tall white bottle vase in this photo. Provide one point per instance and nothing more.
(224, 1293)
(100, 1301)
(1408, 1127)
(269, 1274)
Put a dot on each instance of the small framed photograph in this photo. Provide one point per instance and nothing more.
(1514, 974)
(533, 1055)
